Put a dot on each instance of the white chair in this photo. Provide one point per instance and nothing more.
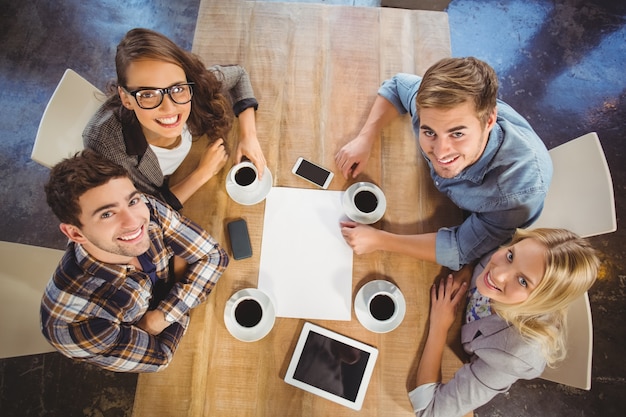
(24, 272)
(71, 106)
(580, 197)
(575, 370)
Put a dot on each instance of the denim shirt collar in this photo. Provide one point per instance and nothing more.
(476, 172)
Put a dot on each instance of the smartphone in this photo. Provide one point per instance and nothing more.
(313, 173)
(239, 239)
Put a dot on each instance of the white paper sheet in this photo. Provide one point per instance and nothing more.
(306, 265)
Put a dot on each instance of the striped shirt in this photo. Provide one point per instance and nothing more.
(90, 309)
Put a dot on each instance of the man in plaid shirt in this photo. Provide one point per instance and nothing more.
(114, 300)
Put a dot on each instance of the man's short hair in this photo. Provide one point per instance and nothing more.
(72, 177)
(453, 81)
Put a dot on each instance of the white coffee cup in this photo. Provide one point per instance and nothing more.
(245, 176)
(382, 306)
(365, 199)
(247, 312)
(364, 202)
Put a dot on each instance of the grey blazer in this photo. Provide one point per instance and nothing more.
(126, 145)
(499, 357)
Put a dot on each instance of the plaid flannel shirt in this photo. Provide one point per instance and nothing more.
(90, 309)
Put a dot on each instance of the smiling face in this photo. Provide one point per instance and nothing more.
(164, 124)
(114, 220)
(453, 138)
(513, 272)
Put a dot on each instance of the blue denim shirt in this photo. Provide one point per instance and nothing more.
(500, 192)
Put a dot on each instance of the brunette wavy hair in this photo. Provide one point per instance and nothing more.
(73, 177)
(211, 112)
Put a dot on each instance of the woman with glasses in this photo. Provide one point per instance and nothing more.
(163, 96)
(514, 321)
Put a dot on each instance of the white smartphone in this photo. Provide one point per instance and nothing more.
(313, 173)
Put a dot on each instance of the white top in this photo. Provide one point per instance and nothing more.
(170, 159)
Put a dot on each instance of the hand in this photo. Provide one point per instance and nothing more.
(353, 156)
(361, 238)
(153, 322)
(465, 273)
(251, 148)
(445, 298)
(213, 159)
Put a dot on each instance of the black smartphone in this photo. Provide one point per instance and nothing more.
(239, 239)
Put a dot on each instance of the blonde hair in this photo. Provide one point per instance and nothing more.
(571, 268)
(453, 81)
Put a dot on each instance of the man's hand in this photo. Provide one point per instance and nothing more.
(153, 322)
(361, 238)
(353, 156)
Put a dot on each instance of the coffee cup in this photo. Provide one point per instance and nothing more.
(364, 202)
(247, 312)
(245, 175)
(382, 306)
(365, 199)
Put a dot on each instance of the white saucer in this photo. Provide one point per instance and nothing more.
(362, 310)
(353, 213)
(248, 198)
(250, 334)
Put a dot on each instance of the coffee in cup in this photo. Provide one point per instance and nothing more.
(382, 306)
(248, 312)
(244, 174)
(365, 200)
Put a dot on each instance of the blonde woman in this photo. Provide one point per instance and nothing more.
(514, 322)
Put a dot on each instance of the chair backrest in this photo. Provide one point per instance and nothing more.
(60, 131)
(580, 197)
(575, 370)
(24, 272)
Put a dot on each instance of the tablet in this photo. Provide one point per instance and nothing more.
(332, 366)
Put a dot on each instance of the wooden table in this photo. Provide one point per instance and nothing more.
(315, 70)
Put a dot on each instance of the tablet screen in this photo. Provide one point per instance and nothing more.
(332, 366)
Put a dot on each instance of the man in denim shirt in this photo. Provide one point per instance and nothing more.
(481, 153)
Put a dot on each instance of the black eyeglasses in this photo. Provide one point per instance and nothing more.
(151, 98)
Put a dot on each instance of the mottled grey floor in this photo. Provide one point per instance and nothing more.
(560, 63)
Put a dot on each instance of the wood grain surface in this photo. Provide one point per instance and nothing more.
(315, 70)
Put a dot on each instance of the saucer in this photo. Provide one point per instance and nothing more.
(353, 213)
(248, 198)
(250, 334)
(362, 311)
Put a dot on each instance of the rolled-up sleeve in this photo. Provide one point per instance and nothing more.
(236, 83)
(421, 396)
(476, 383)
(482, 232)
(400, 90)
